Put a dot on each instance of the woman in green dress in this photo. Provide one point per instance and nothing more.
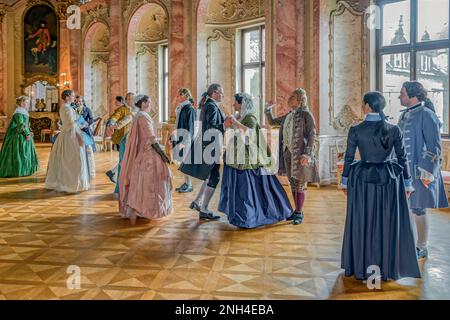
(18, 156)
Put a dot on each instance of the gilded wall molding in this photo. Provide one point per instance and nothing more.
(146, 47)
(30, 80)
(60, 7)
(3, 10)
(346, 117)
(26, 80)
(100, 57)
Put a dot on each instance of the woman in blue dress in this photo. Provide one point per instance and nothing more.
(251, 196)
(378, 231)
(85, 120)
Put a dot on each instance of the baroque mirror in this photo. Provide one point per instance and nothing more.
(43, 96)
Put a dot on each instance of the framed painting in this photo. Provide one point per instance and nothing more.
(40, 41)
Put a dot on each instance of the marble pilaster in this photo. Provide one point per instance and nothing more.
(115, 52)
(64, 51)
(177, 61)
(285, 20)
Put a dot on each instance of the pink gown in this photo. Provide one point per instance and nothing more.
(145, 182)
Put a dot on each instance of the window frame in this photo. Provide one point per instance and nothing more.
(413, 47)
(164, 74)
(260, 65)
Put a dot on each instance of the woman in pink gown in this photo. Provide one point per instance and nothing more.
(145, 183)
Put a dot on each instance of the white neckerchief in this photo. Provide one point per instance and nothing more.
(22, 111)
(145, 114)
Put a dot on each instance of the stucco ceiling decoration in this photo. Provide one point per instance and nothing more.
(232, 11)
(153, 25)
(132, 5)
(97, 14)
(100, 41)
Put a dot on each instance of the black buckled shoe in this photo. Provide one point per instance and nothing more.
(180, 187)
(292, 216)
(110, 175)
(422, 253)
(208, 216)
(298, 219)
(194, 206)
(185, 189)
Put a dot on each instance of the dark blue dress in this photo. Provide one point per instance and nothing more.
(251, 197)
(378, 229)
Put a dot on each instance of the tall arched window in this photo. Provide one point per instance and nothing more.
(413, 44)
(96, 58)
(147, 54)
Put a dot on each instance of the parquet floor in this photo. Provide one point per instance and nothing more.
(42, 233)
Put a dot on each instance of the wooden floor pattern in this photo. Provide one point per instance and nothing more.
(43, 232)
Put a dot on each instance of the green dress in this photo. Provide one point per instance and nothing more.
(18, 156)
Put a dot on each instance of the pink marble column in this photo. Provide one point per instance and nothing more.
(300, 43)
(177, 63)
(115, 51)
(285, 35)
(64, 50)
(314, 91)
(76, 44)
(198, 50)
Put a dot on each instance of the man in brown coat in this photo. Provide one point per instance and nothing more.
(296, 148)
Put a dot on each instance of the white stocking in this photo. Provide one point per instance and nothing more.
(199, 198)
(91, 161)
(413, 226)
(422, 230)
(188, 180)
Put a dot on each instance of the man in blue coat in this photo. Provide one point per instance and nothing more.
(421, 130)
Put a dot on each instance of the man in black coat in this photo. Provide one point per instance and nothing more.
(183, 135)
(203, 161)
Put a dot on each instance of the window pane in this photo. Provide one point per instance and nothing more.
(263, 100)
(251, 46)
(432, 72)
(166, 98)
(166, 59)
(263, 44)
(396, 22)
(251, 86)
(164, 86)
(396, 70)
(432, 21)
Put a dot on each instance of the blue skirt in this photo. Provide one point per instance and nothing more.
(123, 142)
(378, 230)
(251, 199)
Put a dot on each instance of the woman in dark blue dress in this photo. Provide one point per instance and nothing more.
(378, 230)
(251, 196)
